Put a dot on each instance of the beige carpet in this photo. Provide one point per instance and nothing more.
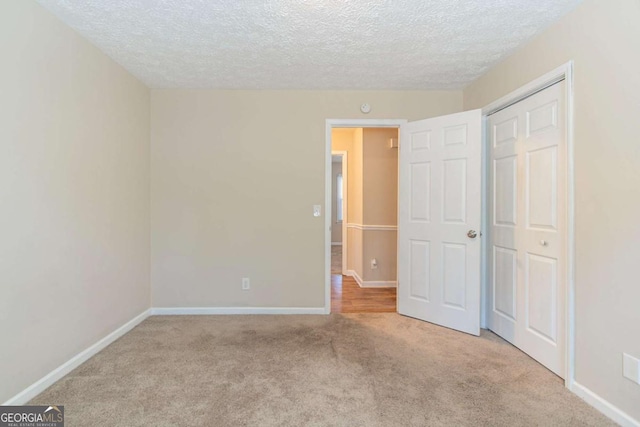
(338, 370)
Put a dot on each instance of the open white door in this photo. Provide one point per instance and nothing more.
(439, 220)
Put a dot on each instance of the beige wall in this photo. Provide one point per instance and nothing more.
(74, 189)
(373, 182)
(380, 203)
(356, 181)
(380, 177)
(603, 38)
(355, 256)
(355, 171)
(383, 246)
(234, 177)
(342, 139)
(350, 140)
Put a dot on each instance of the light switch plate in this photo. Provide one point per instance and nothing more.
(631, 368)
(317, 210)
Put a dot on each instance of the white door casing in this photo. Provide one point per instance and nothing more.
(528, 236)
(343, 224)
(439, 204)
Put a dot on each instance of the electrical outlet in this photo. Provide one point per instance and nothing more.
(246, 284)
(631, 368)
(374, 263)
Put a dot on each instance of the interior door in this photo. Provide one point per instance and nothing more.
(439, 220)
(527, 198)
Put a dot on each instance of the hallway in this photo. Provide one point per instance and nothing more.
(348, 297)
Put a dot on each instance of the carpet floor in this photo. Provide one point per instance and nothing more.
(337, 370)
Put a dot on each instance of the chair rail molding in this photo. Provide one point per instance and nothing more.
(367, 227)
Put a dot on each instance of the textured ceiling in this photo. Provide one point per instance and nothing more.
(308, 44)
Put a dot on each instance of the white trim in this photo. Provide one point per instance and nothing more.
(365, 227)
(352, 273)
(371, 283)
(379, 284)
(484, 226)
(571, 232)
(336, 243)
(45, 382)
(357, 277)
(365, 123)
(330, 124)
(602, 405)
(345, 208)
(564, 71)
(180, 311)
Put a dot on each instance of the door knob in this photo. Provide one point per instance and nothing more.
(472, 234)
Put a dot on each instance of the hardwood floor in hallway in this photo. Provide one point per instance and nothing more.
(348, 297)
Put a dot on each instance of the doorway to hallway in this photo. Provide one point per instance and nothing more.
(348, 297)
(363, 223)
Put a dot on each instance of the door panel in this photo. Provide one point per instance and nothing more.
(542, 188)
(505, 132)
(455, 191)
(454, 268)
(439, 202)
(527, 197)
(421, 141)
(505, 189)
(420, 191)
(455, 135)
(419, 270)
(542, 118)
(541, 284)
(504, 281)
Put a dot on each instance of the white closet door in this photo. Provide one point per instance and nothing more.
(527, 197)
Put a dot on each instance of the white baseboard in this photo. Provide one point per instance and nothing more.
(356, 277)
(168, 311)
(602, 405)
(336, 243)
(45, 382)
(371, 283)
(379, 284)
(611, 411)
(48, 380)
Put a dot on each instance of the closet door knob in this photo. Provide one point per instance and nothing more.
(472, 234)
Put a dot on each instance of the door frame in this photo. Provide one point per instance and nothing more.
(563, 72)
(329, 125)
(345, 156)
